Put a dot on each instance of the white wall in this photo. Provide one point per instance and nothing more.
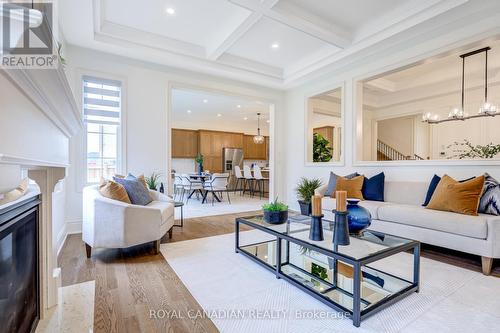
(146, 105)
(380, 61)
(398, 133)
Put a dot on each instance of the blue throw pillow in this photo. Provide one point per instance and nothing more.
(432, 187)
(137, 193)
(490, 200)
(332, 183)
(373, 188)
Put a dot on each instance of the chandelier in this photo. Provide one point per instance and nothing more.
(487, 109)
(258, 139)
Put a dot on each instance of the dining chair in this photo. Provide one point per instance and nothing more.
(178, 188)
(218, 183)
(249, 180)
(259, 179)
(191, 186)
(240, 180)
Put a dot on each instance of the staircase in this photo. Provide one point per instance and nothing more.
(388, 153)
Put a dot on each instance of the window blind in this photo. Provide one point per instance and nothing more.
(101, 100)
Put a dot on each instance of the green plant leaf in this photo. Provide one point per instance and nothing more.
(306, 187)
(322, 151)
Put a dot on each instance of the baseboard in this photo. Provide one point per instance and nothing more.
(74, 226)
(70, 227)
(61, 239)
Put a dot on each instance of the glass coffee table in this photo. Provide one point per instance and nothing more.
(359, 279)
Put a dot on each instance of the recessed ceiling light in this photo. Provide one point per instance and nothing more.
(188, 111)
(275, 45)
(219, 115)
(238, 106)
(170, 11)
(246, 118)
(268, 121)
(205, 101)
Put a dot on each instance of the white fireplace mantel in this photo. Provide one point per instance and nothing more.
(29, 162)
(49, 90)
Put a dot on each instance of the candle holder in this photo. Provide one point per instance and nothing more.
(340, 229)
(316, 230)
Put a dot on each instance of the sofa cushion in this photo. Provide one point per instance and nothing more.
(352, 186)
(329, 204)
(432, 187)
(373, 188)
(137, 193)
(490, 200)
(332, 182)
(459, 197)
(114, 191)
(166, 208)
(465, 225)
(407, 193)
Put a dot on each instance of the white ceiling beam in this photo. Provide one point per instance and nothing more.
(382, 84)
(214, 52)
(217, 50)
(310, 24)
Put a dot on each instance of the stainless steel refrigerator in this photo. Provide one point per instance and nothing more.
(232, 157)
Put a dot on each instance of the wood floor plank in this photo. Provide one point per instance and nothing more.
(131, 283)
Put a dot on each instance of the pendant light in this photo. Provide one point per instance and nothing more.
(487, 108)
(258, 139)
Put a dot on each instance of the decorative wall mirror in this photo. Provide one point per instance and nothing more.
(324, 127)
(444, 108)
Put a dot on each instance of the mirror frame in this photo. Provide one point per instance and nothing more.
(308, 129)
(357, 130)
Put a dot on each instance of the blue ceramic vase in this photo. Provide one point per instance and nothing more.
(359, 218)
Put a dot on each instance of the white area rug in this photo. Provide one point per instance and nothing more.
(238, 204)
(74, 312)
(451, 299)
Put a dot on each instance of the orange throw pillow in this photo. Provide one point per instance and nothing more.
(352, 186)
(453, 196)
(114, 191)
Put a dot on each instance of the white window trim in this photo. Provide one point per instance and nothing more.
(80, 158)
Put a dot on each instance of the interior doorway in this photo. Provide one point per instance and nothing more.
(221, 157)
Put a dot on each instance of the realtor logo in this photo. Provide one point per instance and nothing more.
(27, 40)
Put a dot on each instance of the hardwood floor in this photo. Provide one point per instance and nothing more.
(131, 282)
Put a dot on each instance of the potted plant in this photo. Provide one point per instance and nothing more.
(275, 212)
(153, 180)
(305, 190)
(322, 151)
(199, 160)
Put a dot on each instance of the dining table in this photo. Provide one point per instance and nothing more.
(204, 193)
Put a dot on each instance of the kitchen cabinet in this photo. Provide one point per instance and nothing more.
(184, 143)
(211, 144)
(253, 151)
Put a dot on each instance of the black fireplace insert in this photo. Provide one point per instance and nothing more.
(19, 267)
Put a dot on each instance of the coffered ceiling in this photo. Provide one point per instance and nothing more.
(270, 42)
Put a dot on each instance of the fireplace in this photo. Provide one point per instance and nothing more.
(19, 266)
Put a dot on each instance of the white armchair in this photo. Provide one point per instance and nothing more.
(109, 223)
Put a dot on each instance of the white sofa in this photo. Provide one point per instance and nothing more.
(402, 214)
(109, 223)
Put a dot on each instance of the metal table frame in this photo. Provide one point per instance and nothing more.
(356, 314)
